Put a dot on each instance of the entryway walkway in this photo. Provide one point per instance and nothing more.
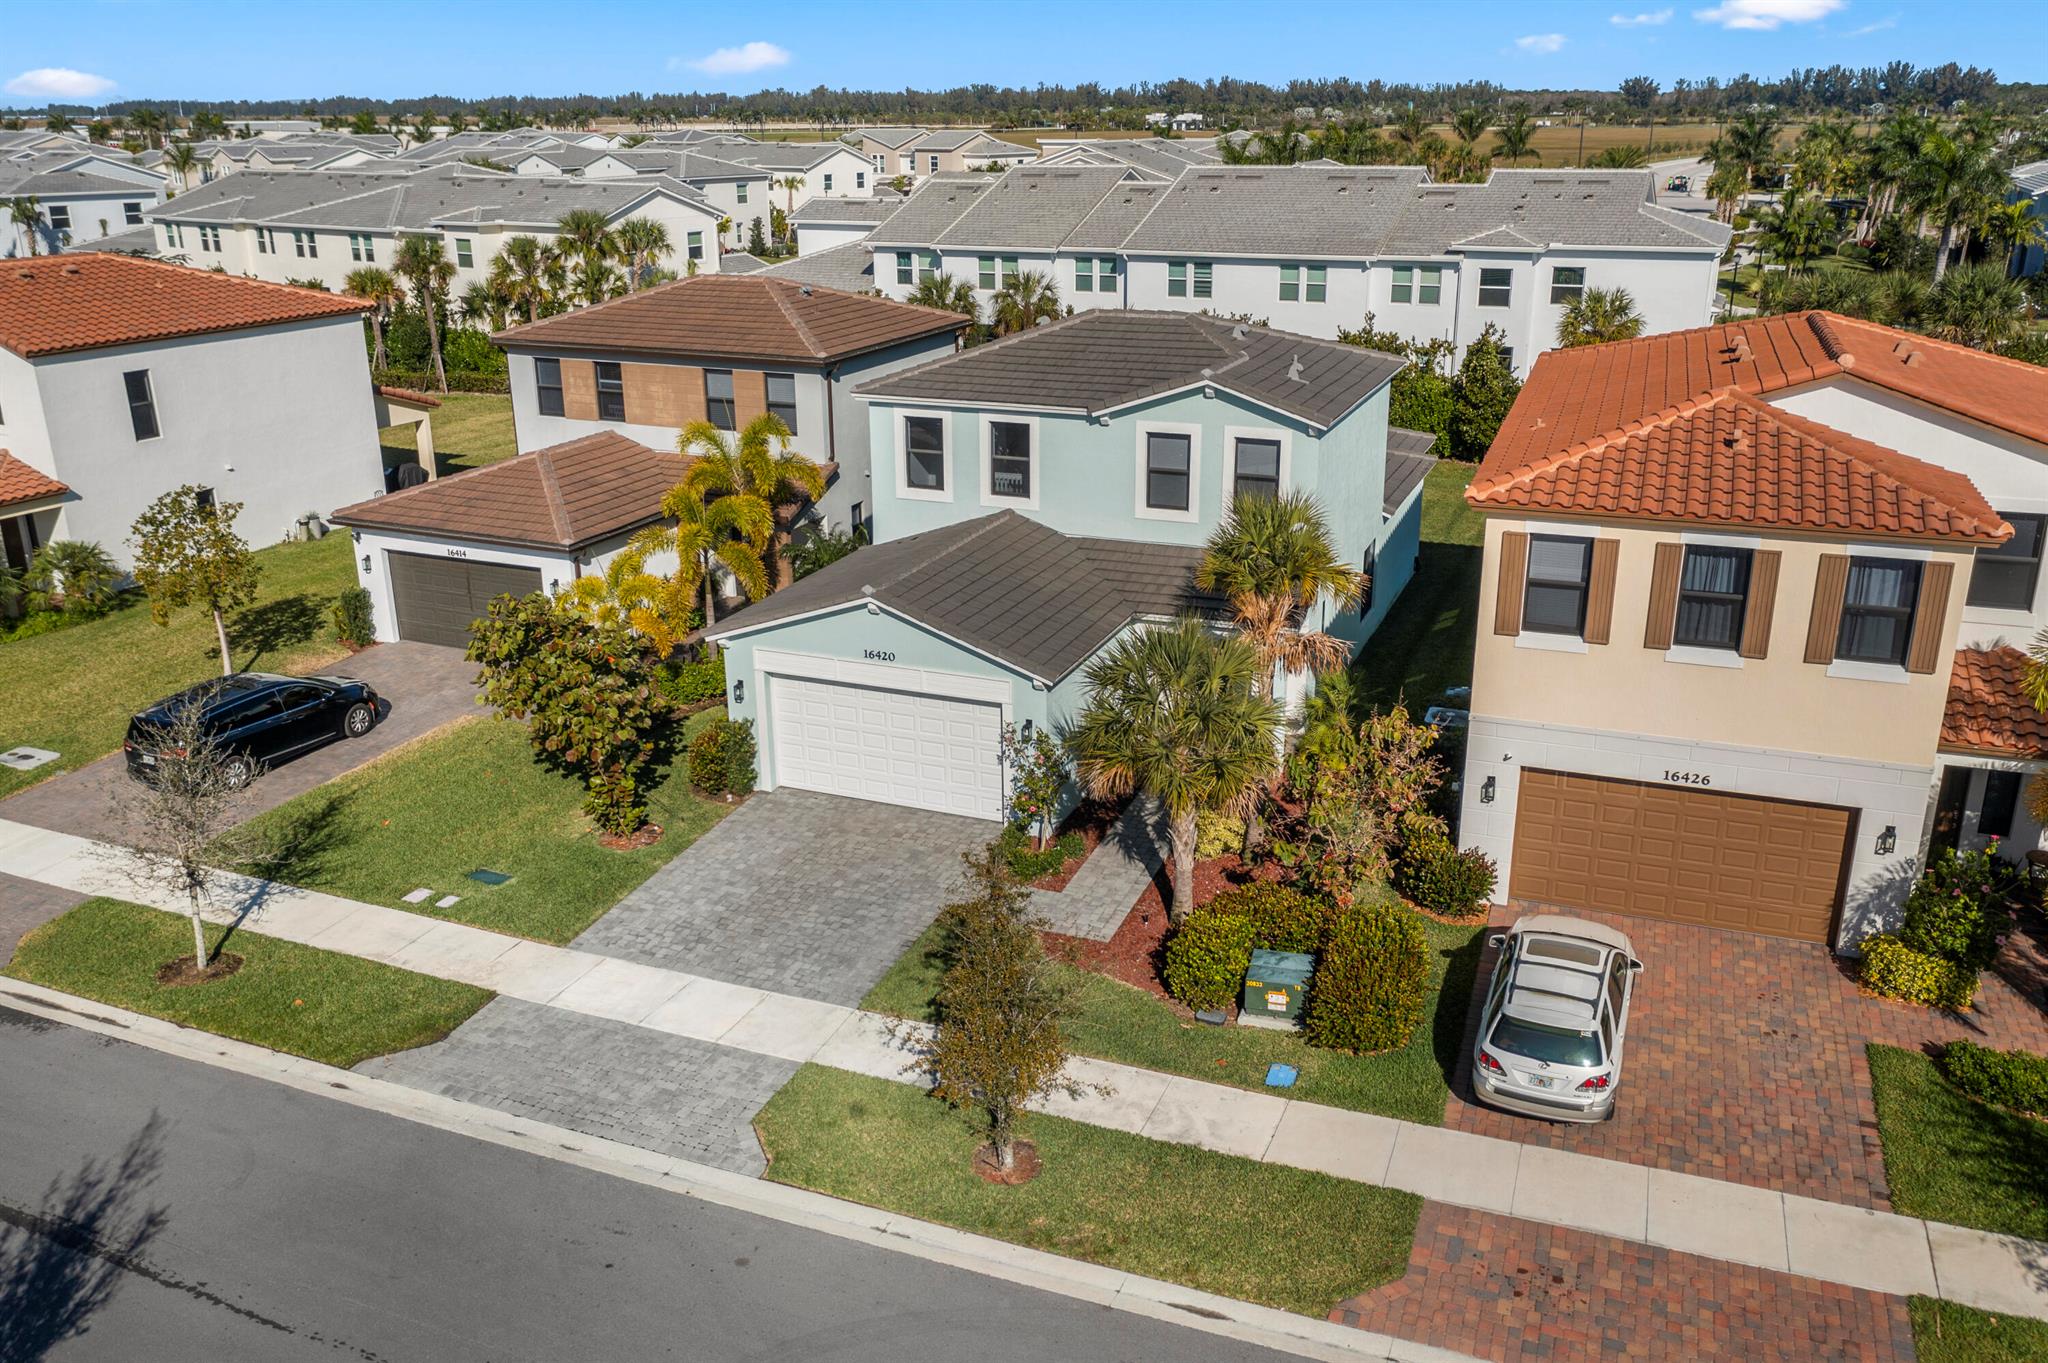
(1099, 897)
(1776, 1232)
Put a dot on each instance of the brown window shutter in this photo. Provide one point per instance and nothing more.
(749, 395)
(1663, 617)
(1824, 626)
(579, 389)
(1757, 610)
(1600, 592)
(1507, 592)
(654, 394)
(1930, 616)
(690, 391)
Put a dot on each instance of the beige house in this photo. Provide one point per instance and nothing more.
(888, 149)
(1741, 662)
(958, 149)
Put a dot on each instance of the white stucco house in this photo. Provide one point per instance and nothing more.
(82, 197)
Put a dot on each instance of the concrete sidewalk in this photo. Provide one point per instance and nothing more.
(1828, 1242)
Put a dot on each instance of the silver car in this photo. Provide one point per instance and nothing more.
(1556, 1019)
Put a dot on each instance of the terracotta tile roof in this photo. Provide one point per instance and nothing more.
(1648, 428)
(747, 316)
(51, 305)
(1987, 710)
(20, 483)
(411, 395)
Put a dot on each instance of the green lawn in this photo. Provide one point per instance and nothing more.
(472, 797)
(74, 690)
(1950, 1158)
(1944, 1332)
(1425, 643)
(318, 1004)
(470, 430)
(1279, 1236)
(1118, 1022)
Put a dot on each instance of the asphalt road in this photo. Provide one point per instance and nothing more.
(155, 1208)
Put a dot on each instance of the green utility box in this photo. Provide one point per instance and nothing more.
(1273, 989)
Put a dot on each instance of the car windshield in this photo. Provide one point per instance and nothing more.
(1556, 1045)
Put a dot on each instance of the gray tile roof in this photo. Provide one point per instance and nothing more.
(1280, 210)
(58, 184)
(891, 138)
(1032, 208)
(931, 209)
(846, 210)
(1005, 586)
(1110, 222)
(1521, 209)
(136, 241)
(1408, 462)
(785, 156)
(1107, 357)
(847, 267)
(1161, 156)
(947, 139)
(384, 199)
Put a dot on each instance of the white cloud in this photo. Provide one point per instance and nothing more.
(1540, 42)
(58, 82)
(731, 61)
(1880, 26)
(1661, 16)
(1767, 14)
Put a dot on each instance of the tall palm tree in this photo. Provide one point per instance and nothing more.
(756, 466)
(180, 160)
(25, 211)
(2006, 227)
(150, 123)
(1517, 135)
(1026, 298)
(1952, 181)
(377, 288)
(1750, 143)
(1620, 156)
(483, 306)
(791, 184)
(642, 242)
(58, 123)
(1597, 316)
(584, 233)
(1977, 305)
(946, 293)
(1172, 713)
(1725, 187)
(1469, 124)
(1797, 228)
(1409, 127)
(521, 273)
(654, 606)
(424, 265)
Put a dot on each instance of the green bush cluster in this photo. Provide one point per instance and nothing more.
(422, 381)
(1959, 909)
(1371, 983)
(722, 757)
(1028, 863)
(352, 623)
(1893, 969)
(1432, 872)
(1207, 956)
(2014, 1079)
(1217, 835)
(691, 682)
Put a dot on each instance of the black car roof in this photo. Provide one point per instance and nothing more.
(223, 691)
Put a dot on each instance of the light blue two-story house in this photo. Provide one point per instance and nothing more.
(1032, 500)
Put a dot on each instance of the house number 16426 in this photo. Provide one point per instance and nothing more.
(1689, 778)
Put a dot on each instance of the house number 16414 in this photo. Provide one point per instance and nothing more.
(1689, 778)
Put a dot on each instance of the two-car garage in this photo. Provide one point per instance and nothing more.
(436, 599)
(936, 752)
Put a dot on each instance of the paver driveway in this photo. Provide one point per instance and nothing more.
(803, 894)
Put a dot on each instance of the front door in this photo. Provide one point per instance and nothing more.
(19, 541)
(1948, 809)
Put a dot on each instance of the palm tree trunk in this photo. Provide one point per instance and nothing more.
(1181, 833)
(708, 593)
(434, 340)
(377, 331)
(1941, 251)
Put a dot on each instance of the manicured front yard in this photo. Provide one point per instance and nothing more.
(1950, 1158)
(1119, 1022)
(471, 797)
(1425, 643)
(470, 430)
(1944, 1332)
(1271, 1234)
(74, 690)
(327, 1007)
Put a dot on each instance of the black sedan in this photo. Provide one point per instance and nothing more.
(254, 719)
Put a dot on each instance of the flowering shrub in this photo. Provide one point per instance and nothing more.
(1960, 910)
(1038, 773)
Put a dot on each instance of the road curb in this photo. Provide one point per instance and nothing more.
(1093, 1283)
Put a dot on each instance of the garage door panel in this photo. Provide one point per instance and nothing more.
(436, 600)
(1705, 857)
(895, 747)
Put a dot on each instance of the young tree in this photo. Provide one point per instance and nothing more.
(947, 294)
(642, 242)
(1026, 299)
(1038, 773)
(1482, 394)
(188, 554)
(1000, 1040)
(791, 184)
(424, 265)
(757, 240)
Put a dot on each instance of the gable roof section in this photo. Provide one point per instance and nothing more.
(390, 198)
(1283, 210)
(1005, 586)
(1408, 462)
(932, 208)
(751, 315)
(1108, 357)
(1522, 210)
(87, 301)
(1988, 711)
(847, 266)
(1030, 208)
(19, 483)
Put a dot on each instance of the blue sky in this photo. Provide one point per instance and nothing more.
(225, 49)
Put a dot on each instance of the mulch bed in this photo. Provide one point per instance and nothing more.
(181, 972)
(1025, 1164)
(646, 835)
(1136, 955)
(1092, 819)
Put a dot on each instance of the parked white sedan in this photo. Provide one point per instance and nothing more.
(1556, 1019)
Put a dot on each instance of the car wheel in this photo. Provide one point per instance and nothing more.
(359, 720)
(237, 772)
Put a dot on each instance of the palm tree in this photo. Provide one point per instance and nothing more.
(1469, 124)
(25, 211)
(1977, 305)
(724, 226)
(1409, 127)
(1172, 713)
(1725, 187)
(585, 234)
(74, 574)
(642, 241)
(1026, 298)
(790, 183)
(1517, 135)
(1750, 143)
(757, 467)
(1597, 316)
(655, 607)
(1620, 156)
(1952, 181)
(483, 306)
(1899, 298)
(424, 266)
(181, 161)
(947, 294)
(522, 273)
(2007, 227)
(704, 536)
(58, 123)
(150, 123)
(1796, 229)
(377, 288)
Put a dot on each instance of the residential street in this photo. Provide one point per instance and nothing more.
(291, 1227)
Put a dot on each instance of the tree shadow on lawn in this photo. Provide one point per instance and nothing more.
(301, 847)
(1425, 644)
(275, 626)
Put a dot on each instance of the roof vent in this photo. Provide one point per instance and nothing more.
(867, 589)
(1239, 332)
(1294, 370)
(804, 289)
(73, 270)
(24, 274)
(1208, 373)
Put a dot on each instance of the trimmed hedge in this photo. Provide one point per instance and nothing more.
(1371, 983)
(722, 757)
(1893, 969)
(352, 621)
(1027, 863)
(1206, 959)
(422, 381)
(2011, 1079)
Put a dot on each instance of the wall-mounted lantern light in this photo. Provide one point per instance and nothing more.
(1486, 791)
(1888, 841)
(739, 693)
(366, 563)
(1025, 732)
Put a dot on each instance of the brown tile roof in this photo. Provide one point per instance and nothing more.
(51, 305)
(411, 395)
(747, 316)
(1988, 711)
(563, 497)
(20, 483)
(1670, 427)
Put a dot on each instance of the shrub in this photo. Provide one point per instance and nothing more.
(722, 758)
(1217, 835)
(422, 380)
(1206, 959)
(688, 683)
(352, 617)
(1893, 969)
(1283, 918)
(470, 350)
(1027, 863)
(1443, 879)
(1371, 983)
(2014, 1079)
(1958, 909)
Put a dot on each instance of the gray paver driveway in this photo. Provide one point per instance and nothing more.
(803, 894)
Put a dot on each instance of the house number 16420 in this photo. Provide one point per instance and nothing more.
(1689, 778)
(877, 655)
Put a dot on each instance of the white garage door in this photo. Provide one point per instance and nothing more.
(898, 747)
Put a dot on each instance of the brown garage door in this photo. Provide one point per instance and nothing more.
(1687, 856)
(437, 599)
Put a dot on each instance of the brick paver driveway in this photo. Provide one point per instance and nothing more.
(1746, 1063)
(803, 894)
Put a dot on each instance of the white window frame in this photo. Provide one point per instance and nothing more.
(739, 191)
(1480, 288)
(1190, 429)
(1693, 654)
(172, 236)
(989, 496)
(131, 213)
(465, 253)
(1851, 669)
(903, 487)
(305, 245)
(828, 182)
(860, 179)
(209, 238)
(1233, 434)
(933, 163)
